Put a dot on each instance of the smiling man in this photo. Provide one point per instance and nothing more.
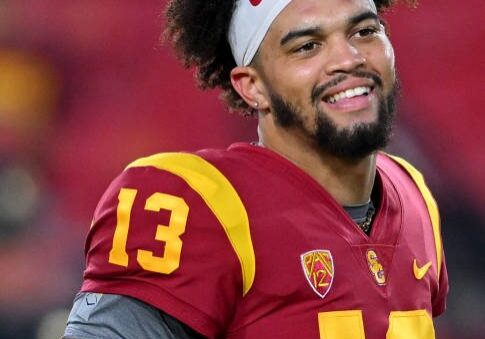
(312, 232)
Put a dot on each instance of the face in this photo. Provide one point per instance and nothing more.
(328, 69)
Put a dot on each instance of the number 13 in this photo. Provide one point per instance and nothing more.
(170, 234)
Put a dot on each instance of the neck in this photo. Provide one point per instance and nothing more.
(348, 181)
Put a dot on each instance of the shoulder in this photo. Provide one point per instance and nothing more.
(408, 179)
(395, 165)
(185, 175)
(404, 175)
(193, 178)
(165, 220)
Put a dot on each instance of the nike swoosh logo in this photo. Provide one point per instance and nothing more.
(420, 272)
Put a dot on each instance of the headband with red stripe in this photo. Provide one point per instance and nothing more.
(249, 24)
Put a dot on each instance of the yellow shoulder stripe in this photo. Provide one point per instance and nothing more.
(219, 195)
(430, 203)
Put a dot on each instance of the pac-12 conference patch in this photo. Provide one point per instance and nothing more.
(319, 270)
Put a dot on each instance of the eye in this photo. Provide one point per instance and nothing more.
(307, 47)
(368, 31)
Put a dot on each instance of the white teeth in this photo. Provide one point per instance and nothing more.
(350, 93)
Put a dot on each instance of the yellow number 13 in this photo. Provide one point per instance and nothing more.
(170, 234)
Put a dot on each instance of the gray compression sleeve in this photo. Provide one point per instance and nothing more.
(96, 315)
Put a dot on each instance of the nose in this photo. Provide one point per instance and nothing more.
(342, 57)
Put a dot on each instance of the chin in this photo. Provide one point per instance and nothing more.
(352, 123)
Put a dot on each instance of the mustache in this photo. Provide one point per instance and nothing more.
(318, 90)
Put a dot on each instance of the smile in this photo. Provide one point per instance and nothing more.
(349, 93)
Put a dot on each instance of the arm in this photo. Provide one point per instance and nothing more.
(96, 315)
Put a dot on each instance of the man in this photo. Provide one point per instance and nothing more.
(311, 233)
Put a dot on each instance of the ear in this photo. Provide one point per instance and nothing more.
(247, 82)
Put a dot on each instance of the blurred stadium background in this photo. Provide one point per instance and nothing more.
(85, 87)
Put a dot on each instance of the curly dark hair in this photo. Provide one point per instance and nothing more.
(197, 29)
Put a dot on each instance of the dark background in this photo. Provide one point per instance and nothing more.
(85, 87)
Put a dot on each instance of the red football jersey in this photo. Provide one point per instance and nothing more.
(241, 243)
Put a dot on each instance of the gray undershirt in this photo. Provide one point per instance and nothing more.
(109, 316)
(358, 213)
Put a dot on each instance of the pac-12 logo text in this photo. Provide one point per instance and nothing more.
(319, 270)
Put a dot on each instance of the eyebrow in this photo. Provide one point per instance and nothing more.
(362, 17)
(299, 33)
(317, 30)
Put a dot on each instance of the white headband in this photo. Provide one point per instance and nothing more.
(249, 24)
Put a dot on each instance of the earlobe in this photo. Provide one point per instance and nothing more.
(247, 83)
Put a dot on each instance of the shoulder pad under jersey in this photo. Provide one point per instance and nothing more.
(219, 195)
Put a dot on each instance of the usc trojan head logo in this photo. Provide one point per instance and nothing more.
(375, 267)
(319, 270)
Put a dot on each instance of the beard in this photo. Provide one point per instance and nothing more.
(352, 143)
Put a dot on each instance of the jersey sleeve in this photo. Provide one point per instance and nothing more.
(172, 232)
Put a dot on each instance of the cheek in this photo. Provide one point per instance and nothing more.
(389, 57)
(295, 78)
(390, 53)
(305, 73)
(381, 60)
